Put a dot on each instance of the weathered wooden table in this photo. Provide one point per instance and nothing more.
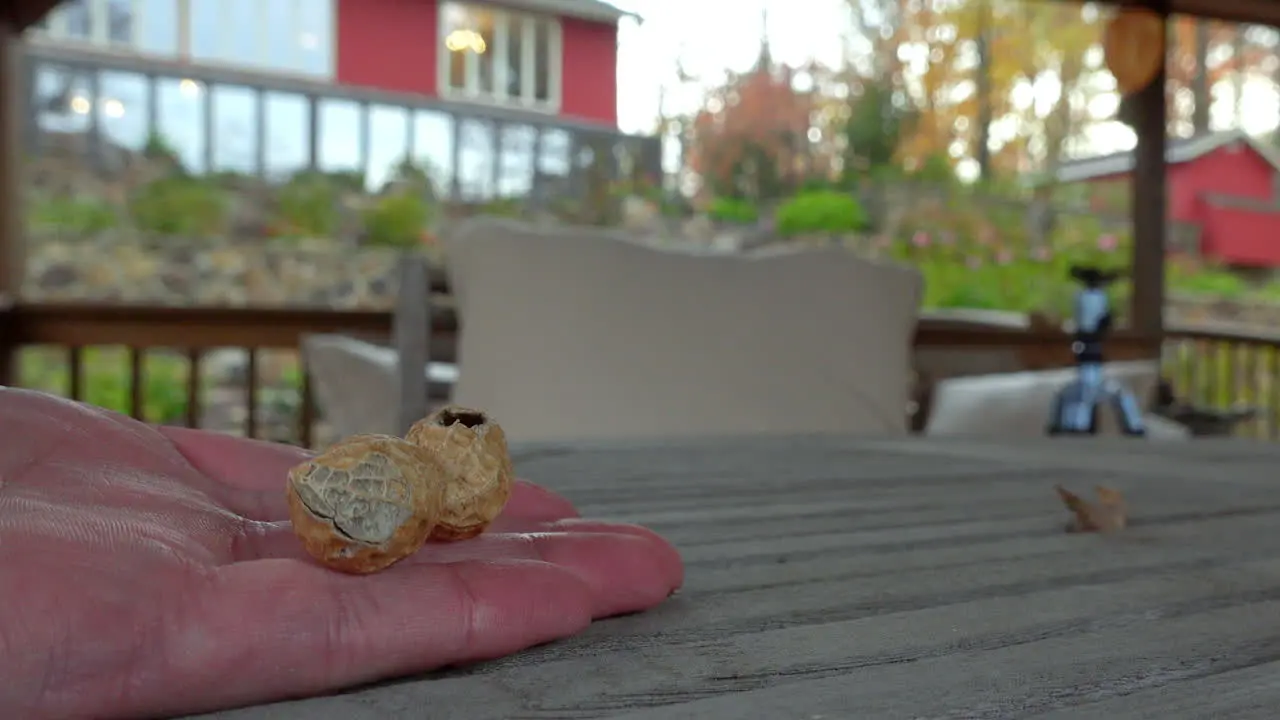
(904, 579)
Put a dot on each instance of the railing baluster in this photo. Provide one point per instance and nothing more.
(1273, 394)
(307, 409)
(251, 394)
(137, 389)
(1251, 384)
(75, 369)
(193, 387)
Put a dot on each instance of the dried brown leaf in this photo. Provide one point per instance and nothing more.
(1108, 514)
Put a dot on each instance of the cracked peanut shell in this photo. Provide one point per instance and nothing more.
(473, 448)
(366, 502)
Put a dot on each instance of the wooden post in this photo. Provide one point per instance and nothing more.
(1149, 203)
(411, 336)
(12, 243)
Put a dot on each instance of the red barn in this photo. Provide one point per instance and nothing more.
(1227, 184)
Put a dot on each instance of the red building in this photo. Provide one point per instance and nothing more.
(556, 56)
(494, 96)
(1227, 184)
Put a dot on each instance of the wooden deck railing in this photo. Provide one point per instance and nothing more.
(1213, 370)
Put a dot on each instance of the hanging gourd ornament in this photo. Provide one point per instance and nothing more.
(1134, 44)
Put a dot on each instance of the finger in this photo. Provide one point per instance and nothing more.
(626, 571)
(670, 561)
(276, 629)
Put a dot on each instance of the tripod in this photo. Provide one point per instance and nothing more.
(1077, 407)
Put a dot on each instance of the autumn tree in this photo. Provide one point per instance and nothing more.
(751, 139)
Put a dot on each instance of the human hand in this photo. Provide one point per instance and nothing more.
(152, 571)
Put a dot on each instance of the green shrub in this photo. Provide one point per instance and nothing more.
(397, 220)
(307, 206)
(106, 382)
(822, 211)
(182, 206)
(733, 210)
(72, 216)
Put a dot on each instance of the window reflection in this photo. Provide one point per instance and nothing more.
(433, 147)
(476, 156)
(515, 172)
(123, 108)
(120, 21)
(543, 48)
(157, 23)
(288, 134)
(314, 37)
(281, 53)
(180, 120)
(241, 39)
(235, 129)
(339, 141)
(388, 144)
(553, 159)
(75, 16)
(62, 99)
(204, 28)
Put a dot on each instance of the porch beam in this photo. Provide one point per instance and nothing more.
(12, 241)
(1149, 203)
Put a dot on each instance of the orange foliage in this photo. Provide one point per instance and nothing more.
(759, 109)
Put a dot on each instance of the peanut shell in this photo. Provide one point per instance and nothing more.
(473, 449)
(366, 502)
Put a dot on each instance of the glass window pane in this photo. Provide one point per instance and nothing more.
(515, 171)
(123, 108)
(75, 15)
(205, 28)
(241, 43)
(484, 25)
(313, 36)
(553, 159)
(288, 134)
(542, 62)
(158, 26)
(339, 142)
(180, 123)
(388, 143)
(282, 52)
(433, 147)
(120, 22)
(235, 129)
(476, 155)
(62, 99)
(516, 25)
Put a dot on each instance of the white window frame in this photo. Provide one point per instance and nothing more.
(56, 33)
(502, 23)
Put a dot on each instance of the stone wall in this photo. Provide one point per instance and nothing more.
(166, 271)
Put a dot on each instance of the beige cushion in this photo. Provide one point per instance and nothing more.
(569, 333)
(1018, 404)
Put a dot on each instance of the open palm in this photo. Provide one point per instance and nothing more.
(152, 571)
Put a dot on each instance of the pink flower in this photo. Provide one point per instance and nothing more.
(1108, 242)
(1042, 254)
(1004, 257)
(920, 239)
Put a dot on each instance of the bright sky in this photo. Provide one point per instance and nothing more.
(712, 36)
